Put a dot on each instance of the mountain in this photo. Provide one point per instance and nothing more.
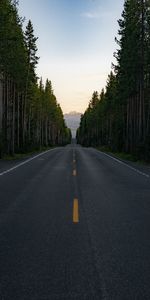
(73, 121)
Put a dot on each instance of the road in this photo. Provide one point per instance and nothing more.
(74, 224)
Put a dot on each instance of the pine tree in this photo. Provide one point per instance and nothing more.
(123, 112)
(32, 60)
(28, 111)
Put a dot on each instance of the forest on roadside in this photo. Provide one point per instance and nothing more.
(30, 116)
(119, 118)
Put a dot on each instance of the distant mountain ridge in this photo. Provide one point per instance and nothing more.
(73, 113)
(73, 121)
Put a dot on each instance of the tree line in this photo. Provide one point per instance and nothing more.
(119, 117)
(30, 116)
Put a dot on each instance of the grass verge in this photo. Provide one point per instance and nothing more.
(123, 155)
(18, 156)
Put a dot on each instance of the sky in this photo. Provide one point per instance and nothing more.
(75, 45)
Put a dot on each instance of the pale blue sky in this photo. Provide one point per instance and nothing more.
(75, 45)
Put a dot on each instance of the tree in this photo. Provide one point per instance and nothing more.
(28, 110)
(123, 112)
(32, 60)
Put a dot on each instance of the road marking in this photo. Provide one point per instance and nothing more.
(74, 172)
(25, 162)
(125, 164)
(75, 211)
(74, 155)
(74, 161)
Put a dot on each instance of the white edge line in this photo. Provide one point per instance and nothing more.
(25, 162)
(125, 164)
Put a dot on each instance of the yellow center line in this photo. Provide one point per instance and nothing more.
(74, 172)
(75, 211)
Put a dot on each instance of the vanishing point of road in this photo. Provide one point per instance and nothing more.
(74, 225)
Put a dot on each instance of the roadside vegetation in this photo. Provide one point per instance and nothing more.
(30, 116)
(119, 118)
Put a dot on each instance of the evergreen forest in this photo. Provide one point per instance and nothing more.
(119, 117)
(30, 116)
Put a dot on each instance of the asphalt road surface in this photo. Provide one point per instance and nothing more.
(74, 224)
